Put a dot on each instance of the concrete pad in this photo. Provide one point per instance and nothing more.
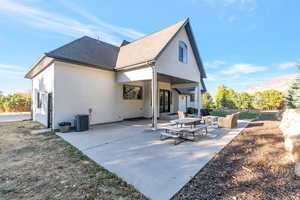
(135, 153)
(40, 131)
(9, 117)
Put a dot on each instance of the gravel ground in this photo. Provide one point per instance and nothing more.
(253, 166)
(45, 167)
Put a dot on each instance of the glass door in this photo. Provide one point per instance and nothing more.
(164, 100)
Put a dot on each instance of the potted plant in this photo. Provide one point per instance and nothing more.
(64, 126)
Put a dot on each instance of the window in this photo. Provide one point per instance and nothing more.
(182, 52)
(192, 97)
(132, 92)
(38, 100)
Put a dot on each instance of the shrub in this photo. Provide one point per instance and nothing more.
(15, 103)
(191, 110)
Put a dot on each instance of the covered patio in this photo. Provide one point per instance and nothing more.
(133, 151)
(159, 88)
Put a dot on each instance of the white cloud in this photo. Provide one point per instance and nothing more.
(37, 18)
(7, 66)
(232, 19)
(287, 65)
(131, 33)
(11, 71)
(245, 5)
(243, 69)
(212, 77)
(214, 64)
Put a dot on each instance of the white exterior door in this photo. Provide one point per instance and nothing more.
(182, 103)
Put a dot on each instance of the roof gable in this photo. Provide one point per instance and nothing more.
(151, 46)
(89, 51)
(147, 48)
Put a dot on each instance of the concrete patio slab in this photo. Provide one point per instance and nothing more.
(135, 153)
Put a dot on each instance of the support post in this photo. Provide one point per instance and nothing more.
(154, 98)
(199, 99)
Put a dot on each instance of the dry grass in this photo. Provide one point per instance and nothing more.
(45, 167)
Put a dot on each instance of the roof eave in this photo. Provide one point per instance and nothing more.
(195, 49)
(149, 62)
(43, 62)
(27, 75)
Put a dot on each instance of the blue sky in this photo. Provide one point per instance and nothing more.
(241, 42)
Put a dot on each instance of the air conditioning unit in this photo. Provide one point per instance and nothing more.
(81, 122)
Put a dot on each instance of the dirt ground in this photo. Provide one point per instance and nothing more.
(36, 167)
(253, 166)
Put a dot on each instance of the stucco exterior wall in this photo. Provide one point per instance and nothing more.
(42, 83)
(142, 73)
(168, 63)
(78, 89)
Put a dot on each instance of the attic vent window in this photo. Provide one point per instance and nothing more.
(182, 52)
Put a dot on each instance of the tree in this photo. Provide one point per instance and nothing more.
(243, 100)
(207, 100)
(268, 99)
(273, 99)
(230, 96)
(259, 101)
(292, 100)
(220, 99)
(225, 97)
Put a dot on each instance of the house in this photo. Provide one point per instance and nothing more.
(112, 83)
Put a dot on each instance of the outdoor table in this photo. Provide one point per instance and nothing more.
(188, 120)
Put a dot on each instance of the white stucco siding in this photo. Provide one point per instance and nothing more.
(42, 84)
(80, 88)
(168, 63)
(143, 73)
(132, 108)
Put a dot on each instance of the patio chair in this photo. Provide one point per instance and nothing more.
(181, 115)
(230, 121)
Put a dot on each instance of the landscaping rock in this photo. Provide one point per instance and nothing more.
(290, 126)
(297, 169)
(290, 123)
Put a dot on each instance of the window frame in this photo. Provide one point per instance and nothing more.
(39, 100)
(125, 97)
(182, 52)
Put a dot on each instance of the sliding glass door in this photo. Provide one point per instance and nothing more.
(164, 100)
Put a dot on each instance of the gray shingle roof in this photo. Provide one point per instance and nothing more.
(89, 51)
(95, 53)
(148, 47)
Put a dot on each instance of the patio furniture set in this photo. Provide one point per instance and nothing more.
(188, 128)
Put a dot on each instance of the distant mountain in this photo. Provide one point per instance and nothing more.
(280, 83)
